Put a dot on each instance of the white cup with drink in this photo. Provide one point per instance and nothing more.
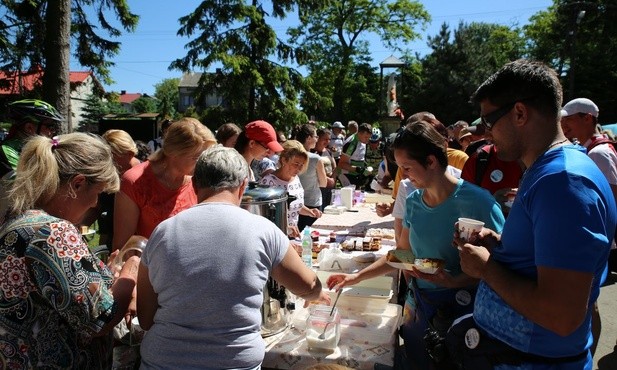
(468, 226)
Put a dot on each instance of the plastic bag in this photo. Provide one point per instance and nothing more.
(333, 259)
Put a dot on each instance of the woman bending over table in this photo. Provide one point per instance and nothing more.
(160, 187)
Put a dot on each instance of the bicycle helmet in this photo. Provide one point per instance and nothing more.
(33, 110)
(376, 135)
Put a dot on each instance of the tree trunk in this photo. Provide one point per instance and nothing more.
(56, 83)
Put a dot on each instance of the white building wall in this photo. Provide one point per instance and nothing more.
(78, 100)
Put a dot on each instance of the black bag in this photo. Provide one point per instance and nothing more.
(471, 348)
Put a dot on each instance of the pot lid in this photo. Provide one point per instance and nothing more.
(257, 192)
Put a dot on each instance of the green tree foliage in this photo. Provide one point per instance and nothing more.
(362, 93)
(333, 42)
(167, 94)
(40, 33)
(237, 34)
(144, 104)
(458, 64)
(113, 104)
(579, 40)
(93, 110)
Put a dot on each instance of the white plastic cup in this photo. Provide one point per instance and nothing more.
(468, 226)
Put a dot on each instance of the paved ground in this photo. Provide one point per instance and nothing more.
(606, 353)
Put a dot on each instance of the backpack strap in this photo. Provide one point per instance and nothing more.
(597, 140)
(483, 155)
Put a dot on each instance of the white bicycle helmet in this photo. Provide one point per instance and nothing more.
(376, 136)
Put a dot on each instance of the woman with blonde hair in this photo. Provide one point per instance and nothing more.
(123, 149)
(59, 302)
(293, 161)
(160, 187)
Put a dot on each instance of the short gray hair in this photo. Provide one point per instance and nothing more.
(220, 168)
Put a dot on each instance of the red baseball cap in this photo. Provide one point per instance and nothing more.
(263, 132)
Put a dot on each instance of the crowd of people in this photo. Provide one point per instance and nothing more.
(527, 284)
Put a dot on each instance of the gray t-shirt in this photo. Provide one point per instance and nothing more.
(310, 182)
(209, 265)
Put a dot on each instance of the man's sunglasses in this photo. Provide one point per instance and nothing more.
(489, 120)
(53, 126)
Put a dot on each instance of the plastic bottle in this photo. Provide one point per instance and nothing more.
(307, 247)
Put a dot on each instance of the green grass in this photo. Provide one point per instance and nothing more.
(94, 242)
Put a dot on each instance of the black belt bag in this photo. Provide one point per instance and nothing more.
(471, 348)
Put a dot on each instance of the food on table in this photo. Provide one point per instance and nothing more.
(347, 245)
(375, 243)
(382, 233)
(358, 243)
(317, 247)
(332, 237)
(362, 244)
(366, 243)
(315, 235)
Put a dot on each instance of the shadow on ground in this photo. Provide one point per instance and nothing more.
(609, 361)
(610, 280)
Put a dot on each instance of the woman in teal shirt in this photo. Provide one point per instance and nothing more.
(434, 300)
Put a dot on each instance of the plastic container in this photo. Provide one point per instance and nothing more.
(307, 247)
(323, 331)
(336, 197)
(372, 293)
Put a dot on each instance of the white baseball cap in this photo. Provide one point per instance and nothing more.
(580, 105)
(337, 124)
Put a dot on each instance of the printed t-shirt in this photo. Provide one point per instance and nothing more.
(294, 188)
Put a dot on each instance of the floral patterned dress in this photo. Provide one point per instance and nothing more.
(54, 297)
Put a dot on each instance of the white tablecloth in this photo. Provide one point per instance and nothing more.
(359, 347)
(357, 222)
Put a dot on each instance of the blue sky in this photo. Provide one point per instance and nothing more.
(146, 54)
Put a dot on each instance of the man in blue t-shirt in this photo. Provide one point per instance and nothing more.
(541, 276)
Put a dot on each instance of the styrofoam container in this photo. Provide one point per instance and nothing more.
(374, 292)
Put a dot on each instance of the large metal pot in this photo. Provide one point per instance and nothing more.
(271, 203)
(267, 201)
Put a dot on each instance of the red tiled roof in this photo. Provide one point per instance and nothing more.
(10, 82)
(78, 76)
(129, 98)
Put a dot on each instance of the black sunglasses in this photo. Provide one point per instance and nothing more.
(489, 120)
(53, 126)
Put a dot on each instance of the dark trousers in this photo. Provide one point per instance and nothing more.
(326, 198)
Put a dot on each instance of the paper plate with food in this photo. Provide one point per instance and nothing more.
(401, 259)
(428, 265)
